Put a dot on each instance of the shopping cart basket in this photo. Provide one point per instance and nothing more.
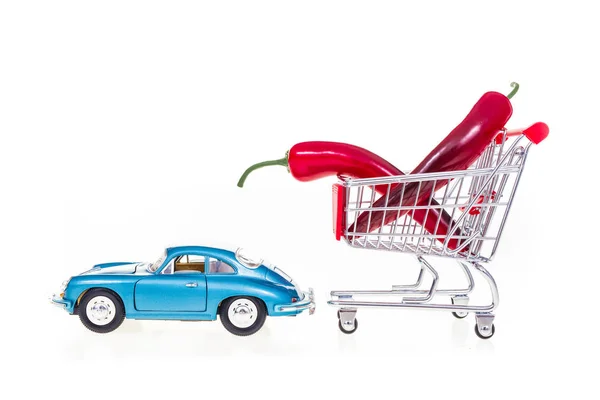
(478, 200)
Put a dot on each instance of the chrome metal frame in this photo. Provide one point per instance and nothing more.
(478, 199)
(307, 303)
(58, 301)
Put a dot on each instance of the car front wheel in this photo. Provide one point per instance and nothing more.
(243, 316)
(101, 311)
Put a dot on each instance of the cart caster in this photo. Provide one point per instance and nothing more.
(485, 334)
(484, 325)
(461, 301)
(349, 328)
(347, 321)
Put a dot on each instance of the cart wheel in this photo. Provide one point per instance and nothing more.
(485, 334)
(348, 329)
(460, 314)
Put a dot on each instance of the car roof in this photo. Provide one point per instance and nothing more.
(199, 249)
(225, 251)
(179, 249)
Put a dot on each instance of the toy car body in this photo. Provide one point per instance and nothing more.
(185, 283)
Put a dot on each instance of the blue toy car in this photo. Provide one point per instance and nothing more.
(185, 283)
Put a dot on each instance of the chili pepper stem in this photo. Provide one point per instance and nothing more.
(514, 85)
(282, 161)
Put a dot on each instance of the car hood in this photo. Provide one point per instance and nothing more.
(118, 268)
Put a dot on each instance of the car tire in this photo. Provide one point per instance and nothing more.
(101, 311)
(243, 315)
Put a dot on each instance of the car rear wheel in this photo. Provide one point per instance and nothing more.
(243, 316)
(101, 311)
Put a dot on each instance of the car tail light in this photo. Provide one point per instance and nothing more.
(294, 299)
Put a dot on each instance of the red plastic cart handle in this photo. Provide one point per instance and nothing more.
(536, 133)
(339, 221)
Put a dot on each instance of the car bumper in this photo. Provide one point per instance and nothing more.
(307, 303)
(60, 302)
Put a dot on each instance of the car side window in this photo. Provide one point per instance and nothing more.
(219, 267)
(193, 258)
(190, 263)
(168, 269)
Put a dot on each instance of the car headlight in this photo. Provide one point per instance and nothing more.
(64, 285)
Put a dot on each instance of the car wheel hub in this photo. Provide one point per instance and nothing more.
(100, 310)
(242, 313)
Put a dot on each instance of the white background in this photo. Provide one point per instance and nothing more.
(125, 126)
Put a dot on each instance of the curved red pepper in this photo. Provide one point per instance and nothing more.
(456, 152)
(309, 161)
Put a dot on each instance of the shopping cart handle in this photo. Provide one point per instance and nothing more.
(535, 133)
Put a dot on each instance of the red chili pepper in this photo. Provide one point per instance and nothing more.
(456, 152)
(309, 161)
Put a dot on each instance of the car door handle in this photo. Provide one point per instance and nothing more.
(191, 284)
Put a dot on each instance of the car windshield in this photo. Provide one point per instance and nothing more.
(155, 265)
(249, 260)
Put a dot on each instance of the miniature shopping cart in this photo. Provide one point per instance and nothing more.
(478, 200)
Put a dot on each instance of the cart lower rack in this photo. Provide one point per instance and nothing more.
(478, 200)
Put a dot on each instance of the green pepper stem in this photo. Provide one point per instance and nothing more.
(282, 161)
(514, 85)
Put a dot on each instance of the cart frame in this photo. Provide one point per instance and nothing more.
(479, 200)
